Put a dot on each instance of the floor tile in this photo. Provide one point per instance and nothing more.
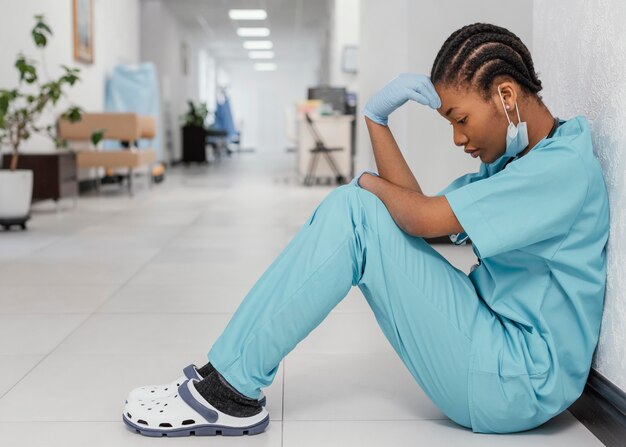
(75, 272)
(199, 273)
(353, 302)
(27, 298)
(107, 434)
(346, 332)
(461, 256)
(192, 254)
(272, 242)
(147, 334)
(353, 387)
(35, 334)
(168, 298)
(564, 430)
(14, 367)
(17, 244)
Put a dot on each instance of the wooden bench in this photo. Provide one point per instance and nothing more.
(127, 128)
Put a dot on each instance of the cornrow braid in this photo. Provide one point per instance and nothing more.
(476, 54)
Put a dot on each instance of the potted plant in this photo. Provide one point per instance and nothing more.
(194, 132)
(21, 111)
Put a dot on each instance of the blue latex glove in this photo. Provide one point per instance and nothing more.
(402, 88)
(355, 180)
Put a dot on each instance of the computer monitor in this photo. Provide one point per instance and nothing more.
(333, 95)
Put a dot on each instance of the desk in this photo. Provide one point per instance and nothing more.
(335, 131)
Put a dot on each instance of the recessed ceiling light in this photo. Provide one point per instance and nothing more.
(261, 55)
(247, 14)
(265, 66)
(253, 32)
(258, 44)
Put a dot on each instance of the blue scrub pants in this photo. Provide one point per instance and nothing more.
(425, 307)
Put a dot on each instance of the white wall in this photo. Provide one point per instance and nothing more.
(323, 37)
(207, 78)
(594, 84)
(404, 36)
(260, 101)
(344, 31)
(162, 36)
(116, 40)
(383, 53)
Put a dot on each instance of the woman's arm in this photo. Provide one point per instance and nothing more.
(415, 213)
(390, 162)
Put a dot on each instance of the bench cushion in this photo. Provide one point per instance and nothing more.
(115, 159)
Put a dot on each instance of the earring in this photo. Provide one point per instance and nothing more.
(508, 107)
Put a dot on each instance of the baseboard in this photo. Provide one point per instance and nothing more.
(602, 409)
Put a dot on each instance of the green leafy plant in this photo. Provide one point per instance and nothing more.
(196, 114)
(22, 107)
(97, 136)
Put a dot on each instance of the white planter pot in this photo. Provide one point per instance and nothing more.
(16, 191)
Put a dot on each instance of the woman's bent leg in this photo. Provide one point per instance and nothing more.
(294, 295)
(425, 307)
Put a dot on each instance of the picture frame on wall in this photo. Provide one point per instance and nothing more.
(349, 59)
(184, 58)
(83, 31)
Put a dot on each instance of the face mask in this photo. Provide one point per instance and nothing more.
(516, 137)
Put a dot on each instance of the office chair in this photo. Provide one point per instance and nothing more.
(319, 150)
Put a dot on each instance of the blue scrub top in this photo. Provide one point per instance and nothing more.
(539, 227)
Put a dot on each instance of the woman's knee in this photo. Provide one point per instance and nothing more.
(351, 194)
(342, 191)
(349, 202)
(341, 197)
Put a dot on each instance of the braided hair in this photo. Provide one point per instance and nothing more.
(476, 54)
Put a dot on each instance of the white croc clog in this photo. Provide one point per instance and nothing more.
(159, 391)
(187, 413)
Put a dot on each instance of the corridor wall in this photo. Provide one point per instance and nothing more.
(581, 58)
(116, 41)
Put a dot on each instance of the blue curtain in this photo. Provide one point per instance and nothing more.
(135, 88)
(224, 117)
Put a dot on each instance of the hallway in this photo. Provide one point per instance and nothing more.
(120, 292)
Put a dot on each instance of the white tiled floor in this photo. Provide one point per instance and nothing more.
(119, 292)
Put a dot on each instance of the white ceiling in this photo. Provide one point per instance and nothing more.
(295, 25)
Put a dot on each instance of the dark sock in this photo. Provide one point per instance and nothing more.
(223, 396)
(206, 370)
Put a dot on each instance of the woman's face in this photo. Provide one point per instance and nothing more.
(478, 126)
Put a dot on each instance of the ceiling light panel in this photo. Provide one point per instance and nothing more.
(261, 55)
(253, 32)
(258, 44)
(247, 14)
(265, 66)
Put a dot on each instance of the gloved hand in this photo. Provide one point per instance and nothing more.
(355, 180)
(402, 88)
